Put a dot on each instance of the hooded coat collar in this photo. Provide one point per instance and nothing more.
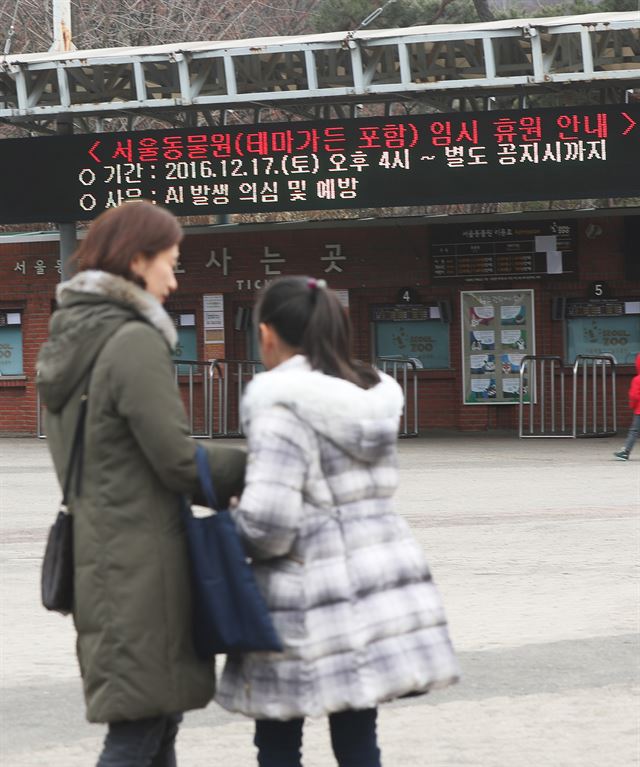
(92, 306)
(121, 290)
(363, 422)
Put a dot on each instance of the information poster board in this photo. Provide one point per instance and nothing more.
(498, 330)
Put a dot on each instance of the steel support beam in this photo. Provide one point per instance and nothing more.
(517, 57)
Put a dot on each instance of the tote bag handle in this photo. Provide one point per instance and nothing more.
(206, 480)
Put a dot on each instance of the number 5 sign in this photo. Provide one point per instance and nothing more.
(598, 290)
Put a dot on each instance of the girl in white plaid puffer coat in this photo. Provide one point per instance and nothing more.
(347, 585)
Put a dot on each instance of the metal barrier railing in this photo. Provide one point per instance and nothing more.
(543, 412)
(39, 417)
(230, 377)
(403, 369)
(595, 398)
(196, 376)
(215, 412)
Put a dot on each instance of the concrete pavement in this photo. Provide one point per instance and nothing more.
(534, 544)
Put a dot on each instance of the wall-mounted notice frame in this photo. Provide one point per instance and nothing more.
(213, 311)
(498, 330)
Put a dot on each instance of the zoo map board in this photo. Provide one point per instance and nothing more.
(498, 330)
(422, 159)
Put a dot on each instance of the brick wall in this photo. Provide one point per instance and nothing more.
(32, 293)
(375, 261)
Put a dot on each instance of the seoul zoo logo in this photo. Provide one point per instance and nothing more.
(608, 337)
(415, 344)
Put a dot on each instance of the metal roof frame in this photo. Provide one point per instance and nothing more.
(594, 56)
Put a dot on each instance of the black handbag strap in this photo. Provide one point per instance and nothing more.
(76, 454)
(77, 450)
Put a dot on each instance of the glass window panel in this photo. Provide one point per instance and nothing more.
(11, 350)
(619, 336)
(427, 342)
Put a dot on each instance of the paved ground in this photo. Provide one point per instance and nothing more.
(534, 545)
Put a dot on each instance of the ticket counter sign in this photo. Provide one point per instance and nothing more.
(497, 332)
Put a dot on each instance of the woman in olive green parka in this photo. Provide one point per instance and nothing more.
(132, 606)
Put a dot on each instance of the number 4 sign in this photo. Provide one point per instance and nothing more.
(408, 296)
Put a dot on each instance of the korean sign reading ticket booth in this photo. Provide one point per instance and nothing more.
(497, 332)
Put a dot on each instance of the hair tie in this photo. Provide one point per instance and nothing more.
(316, 284)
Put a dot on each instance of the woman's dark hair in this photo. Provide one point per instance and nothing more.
(308, 316)
(115, 238)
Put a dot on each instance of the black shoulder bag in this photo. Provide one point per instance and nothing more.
(56, 583)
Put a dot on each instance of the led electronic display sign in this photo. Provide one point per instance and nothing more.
(568, 153)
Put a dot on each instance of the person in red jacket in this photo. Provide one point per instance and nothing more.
(634, 404)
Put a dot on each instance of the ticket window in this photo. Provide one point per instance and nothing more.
(619, 336)
(187, 345)
(243, 323)
(253, 343)
(11, 362)
(417, 333)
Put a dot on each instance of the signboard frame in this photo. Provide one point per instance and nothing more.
(504, 333)
(510, 250)
(367, 162)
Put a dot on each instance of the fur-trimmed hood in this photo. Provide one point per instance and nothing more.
(115, 288)
(92, 305)
(361, 421)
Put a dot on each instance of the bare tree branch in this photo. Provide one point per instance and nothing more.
(440, 12)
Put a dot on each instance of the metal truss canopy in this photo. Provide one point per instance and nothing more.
(600, 50)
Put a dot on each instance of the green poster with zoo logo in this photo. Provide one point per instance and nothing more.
(619, 336)
(497, 332)
(427, 342)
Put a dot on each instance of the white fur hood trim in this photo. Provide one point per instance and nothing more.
(125, 292)
(360, 420)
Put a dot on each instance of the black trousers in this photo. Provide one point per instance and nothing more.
(353, 739)
(143, 743)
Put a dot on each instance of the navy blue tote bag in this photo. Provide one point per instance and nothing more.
(229, 612)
